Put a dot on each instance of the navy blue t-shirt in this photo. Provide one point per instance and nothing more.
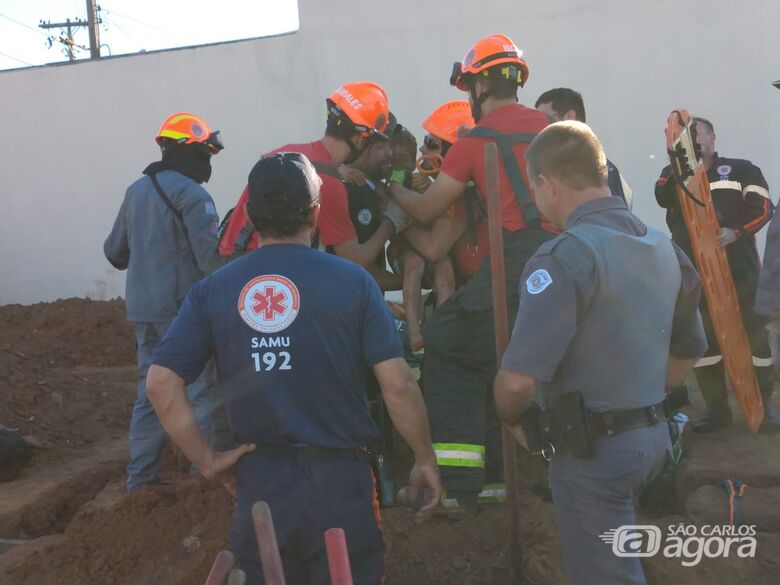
(293, 332)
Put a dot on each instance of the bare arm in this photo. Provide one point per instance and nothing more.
(166, 392)
(425, 207)
(513, 393)
(365, 254)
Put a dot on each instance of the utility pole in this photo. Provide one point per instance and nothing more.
(92, 22)
(68, 41)
(94, 33)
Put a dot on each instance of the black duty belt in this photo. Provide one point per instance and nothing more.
(310, 452)
(607, 424)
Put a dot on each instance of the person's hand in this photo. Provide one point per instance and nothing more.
(397, 216)
(420, 182)
(425, 486)
(352, 175)
(219, 462)
(726, 236)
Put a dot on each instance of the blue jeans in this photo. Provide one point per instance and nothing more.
(147, 436)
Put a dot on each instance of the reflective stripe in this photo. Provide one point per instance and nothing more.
(756, 189)
(708, 361)
(459, 454)
(762, 362)
(726, 185)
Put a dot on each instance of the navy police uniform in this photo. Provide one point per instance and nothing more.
(741, 199)
(578, 330)
(293, 331)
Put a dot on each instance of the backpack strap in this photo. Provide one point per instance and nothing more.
(505, 143)
(475, 211)
(168, 202)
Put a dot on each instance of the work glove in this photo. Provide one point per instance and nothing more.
(397, 216)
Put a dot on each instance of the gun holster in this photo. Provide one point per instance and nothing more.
(676, 399)
(564, 426)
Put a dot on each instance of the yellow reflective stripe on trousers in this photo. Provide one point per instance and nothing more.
(459, 454)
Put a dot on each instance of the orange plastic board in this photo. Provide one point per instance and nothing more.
(710, 258)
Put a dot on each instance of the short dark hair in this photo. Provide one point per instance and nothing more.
(706, 122)
(562, 100)
(500, 87)
(284, 188)
(570, 152)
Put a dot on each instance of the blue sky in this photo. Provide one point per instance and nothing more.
(130, 26)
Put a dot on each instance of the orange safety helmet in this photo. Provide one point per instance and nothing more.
(364, 104)
(486, 54)
(184, 128)
(446, 121)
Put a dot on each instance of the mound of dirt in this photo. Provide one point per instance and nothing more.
(64, 371)
(70, 332)
(171, 534)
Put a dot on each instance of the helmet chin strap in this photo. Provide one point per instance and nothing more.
(476, 102)
(354, 151)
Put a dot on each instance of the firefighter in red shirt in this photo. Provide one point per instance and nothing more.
(357, 115)
(460, 360)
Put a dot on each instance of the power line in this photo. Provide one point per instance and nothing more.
(142, 23)
(35, 30)
(14, 58)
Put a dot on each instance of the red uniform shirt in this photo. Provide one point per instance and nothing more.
(334, 224)
(465, 162)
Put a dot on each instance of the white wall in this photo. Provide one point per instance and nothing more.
(74, 136)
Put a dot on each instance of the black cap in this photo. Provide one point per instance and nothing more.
(287, 179)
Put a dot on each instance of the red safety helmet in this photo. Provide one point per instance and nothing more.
(364, 104)
(447, 121)
(486, 54)
(184, 128)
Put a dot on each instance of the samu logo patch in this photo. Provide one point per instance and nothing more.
(538, 281)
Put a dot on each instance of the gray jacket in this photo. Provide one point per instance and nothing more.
(164, 252)
(768, 293)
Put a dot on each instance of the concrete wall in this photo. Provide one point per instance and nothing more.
(74, 136)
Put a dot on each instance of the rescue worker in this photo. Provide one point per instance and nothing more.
(563, 103)
(580, 349)
(768, 306)
(357, 114)
(460, 361)
(292, 331)
(165, 236)
(743, 206)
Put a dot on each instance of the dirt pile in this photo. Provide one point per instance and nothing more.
(64, 371)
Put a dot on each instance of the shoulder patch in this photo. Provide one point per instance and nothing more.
(210, 208)
(538, 281)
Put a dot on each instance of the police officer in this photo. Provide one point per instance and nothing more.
(460, 361)
(165, 236)
(563, 103)
(292, 331)
(579, 340)
(741, 199)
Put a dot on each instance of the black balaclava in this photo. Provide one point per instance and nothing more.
(191, 160)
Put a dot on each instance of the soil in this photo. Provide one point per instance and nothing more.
(67, 380)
